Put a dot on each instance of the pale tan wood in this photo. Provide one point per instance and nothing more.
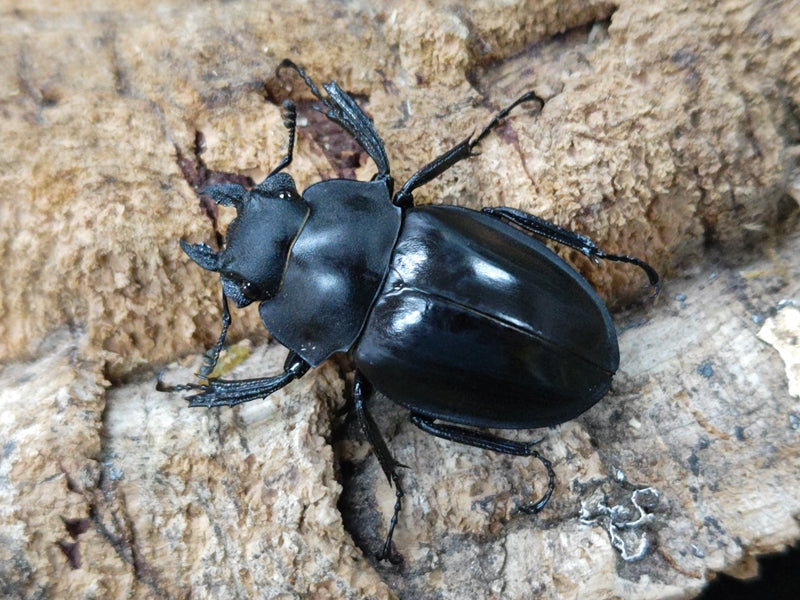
(670, 133)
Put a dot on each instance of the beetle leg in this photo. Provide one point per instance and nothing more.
(212, 356)
(581, 243)
(362, 391)
(226, 392)
(441, 163)
(345, 112)
(290, 122)
(480, 439)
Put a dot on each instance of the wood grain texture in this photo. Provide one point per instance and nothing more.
(670, 132)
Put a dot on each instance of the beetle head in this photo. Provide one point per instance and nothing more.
(258, 241)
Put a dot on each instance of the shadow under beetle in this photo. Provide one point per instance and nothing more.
(460, 316)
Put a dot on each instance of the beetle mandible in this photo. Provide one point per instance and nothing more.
(461, 316)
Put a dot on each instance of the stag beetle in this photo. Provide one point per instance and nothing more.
(458, 315)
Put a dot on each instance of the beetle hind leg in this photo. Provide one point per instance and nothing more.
(480, 439)
(362, 391)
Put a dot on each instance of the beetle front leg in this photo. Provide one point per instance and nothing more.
(444, 161)
(345, 112)
(480, 439)
(362, 391)
(225, 392)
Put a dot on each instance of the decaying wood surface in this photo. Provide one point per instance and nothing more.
(670, 132)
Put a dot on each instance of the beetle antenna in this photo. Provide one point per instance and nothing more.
(290, 122)
(347, 114)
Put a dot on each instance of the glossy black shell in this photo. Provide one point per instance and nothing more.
(335, 268)
(480, 324)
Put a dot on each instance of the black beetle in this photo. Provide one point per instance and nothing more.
(460, 316)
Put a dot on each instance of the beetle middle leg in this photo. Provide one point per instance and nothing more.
(362, 391)
(576, 241)
(484, 440)
(459, 152)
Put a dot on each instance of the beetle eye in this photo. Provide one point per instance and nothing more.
(253, 292)
(248, 290)
(241, 290)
